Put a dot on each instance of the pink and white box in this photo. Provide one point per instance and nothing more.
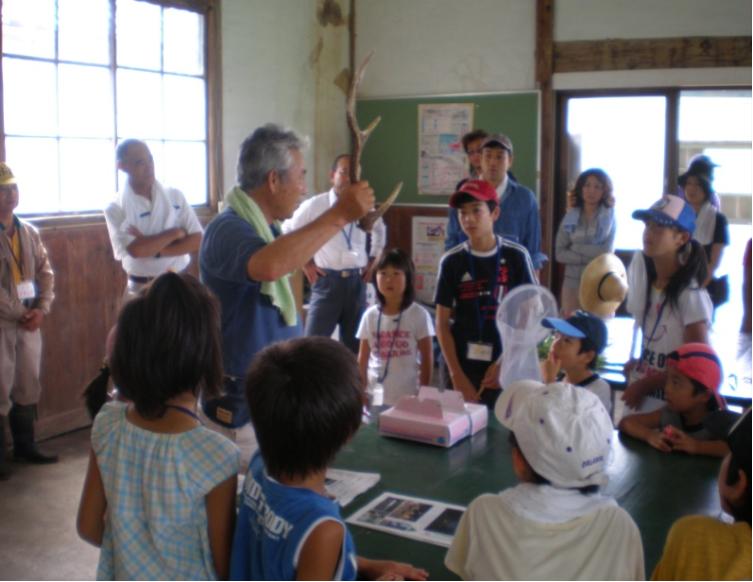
(433, 417)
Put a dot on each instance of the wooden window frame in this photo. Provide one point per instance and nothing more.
(210, 9)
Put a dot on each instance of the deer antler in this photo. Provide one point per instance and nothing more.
(360, 136)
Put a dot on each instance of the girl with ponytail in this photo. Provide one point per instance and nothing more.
(665, 298)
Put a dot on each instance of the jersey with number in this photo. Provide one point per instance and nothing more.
(473, 284)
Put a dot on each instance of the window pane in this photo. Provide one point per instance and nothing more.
(139, 104)
(733, 176)
(87, 174)
(29, 97)
(83, 31)
(184, 42)
(139, 34)
(85, 101)
(34, 161)
(185, 168)
(29, 28)
(185, 112)
(710, 116)
(613, 133)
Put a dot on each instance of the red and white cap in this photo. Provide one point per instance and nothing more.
(480, 190)
(698, 362)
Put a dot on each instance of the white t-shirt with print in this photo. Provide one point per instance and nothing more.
(665, 336)
(396, 348)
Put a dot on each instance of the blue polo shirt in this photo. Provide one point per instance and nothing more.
(249, 320)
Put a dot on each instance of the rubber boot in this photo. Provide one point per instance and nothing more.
(22, 428)
(5, 470)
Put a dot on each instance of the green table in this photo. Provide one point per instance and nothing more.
(655, 488)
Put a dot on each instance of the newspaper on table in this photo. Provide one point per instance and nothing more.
(424, 520)
(344, 486)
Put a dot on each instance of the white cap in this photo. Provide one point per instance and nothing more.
(563, 431)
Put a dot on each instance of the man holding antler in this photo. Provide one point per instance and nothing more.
(246, 261)
(340, 269)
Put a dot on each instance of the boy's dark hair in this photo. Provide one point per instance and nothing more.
(464, 198)
(167, 343)
(739, 441)
(400, 260)
(305, 400)
(698, 388)
(587, 345)
(474, 135)
(694, 267)
(539, 479)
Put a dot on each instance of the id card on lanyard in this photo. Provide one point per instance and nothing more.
(481, 351)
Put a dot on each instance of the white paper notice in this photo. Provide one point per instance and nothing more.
(441, 160)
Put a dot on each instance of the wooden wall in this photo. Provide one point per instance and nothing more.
(89, 285)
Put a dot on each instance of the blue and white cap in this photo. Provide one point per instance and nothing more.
(563, 431)
(670, 210)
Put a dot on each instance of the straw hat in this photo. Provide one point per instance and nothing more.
(6, 175)
(603, 285)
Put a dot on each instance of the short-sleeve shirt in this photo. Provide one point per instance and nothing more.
(497, 539)
(700, 431)
(156, 486)
(699, 547)
(274, 522)
(473, 284)
(168, 208)
(396, 349)
(250, 321)
(663, 329)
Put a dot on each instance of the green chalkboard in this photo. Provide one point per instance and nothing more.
(391, 154)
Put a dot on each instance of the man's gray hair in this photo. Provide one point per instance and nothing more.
(266, 149)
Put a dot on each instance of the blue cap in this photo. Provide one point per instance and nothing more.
(581, 325)
(670, 211)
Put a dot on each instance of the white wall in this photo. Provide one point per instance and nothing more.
(435, 47)
(596, 19)
(279, 63)
(604, 19)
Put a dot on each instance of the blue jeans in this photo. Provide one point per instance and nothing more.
(337, 298)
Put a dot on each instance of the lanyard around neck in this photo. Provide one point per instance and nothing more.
(381, 378)
(493, 287)
(348, 236)
(656, 324)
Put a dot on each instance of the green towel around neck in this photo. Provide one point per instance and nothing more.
(278, 291)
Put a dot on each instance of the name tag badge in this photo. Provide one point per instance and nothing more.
(26, 290)
(480, 352)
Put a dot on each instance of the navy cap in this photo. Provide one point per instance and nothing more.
(670, 211)
(581, 325)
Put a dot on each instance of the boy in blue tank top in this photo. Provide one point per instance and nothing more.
(305, 400)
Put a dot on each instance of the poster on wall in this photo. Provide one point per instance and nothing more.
(429, 233)
(441, 160)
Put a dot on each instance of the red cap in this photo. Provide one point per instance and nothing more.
(698, 362)
(481, 190)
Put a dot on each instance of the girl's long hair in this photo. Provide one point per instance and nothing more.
(693, 266)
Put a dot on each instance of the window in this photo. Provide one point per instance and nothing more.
(644, 140)
(81, 75)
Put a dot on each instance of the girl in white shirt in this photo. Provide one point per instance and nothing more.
(665, 297)
(394, 333)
